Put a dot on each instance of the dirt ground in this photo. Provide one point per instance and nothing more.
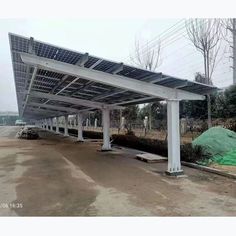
(57, 176)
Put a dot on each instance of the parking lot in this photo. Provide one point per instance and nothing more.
(57, 176)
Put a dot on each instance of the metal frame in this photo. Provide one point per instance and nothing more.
(42, 71)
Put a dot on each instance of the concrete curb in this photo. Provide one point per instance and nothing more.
(209, 169)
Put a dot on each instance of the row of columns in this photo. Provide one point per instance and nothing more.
(48, 125)
(174, 165)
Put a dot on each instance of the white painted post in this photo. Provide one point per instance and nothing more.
(57, 125)
(122, 125)
(66, 126)
(46, 124)
(183, 126)
(51, 124)
(174, 165)
(106, 129)
(145, 123)
(95, 123)
(75, 121)
(80, 127)
(87, 123)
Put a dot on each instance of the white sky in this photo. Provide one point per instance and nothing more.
(108, 38)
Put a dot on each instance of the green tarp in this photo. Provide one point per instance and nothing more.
(220, 143)
(227, 159)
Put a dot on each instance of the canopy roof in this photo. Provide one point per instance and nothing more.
(52, 81)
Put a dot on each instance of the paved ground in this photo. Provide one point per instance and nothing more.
(56, 176)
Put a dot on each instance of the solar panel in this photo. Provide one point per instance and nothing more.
(51, 82)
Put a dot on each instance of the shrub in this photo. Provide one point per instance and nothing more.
(130, 132)
(193, 154)
(232, 126)
(159, 147)
(143, 144)
(188, 153)
(86, 133)
(92, 134)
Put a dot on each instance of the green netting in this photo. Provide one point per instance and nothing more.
(220, 143)
(227, 159)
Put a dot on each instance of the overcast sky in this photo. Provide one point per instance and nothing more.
(111, 39)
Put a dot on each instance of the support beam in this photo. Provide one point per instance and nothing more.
(181, 84)
(106, 129)
(29, 89)
(83, 59)
(174, 165)
(112, 80)
(80, 127)
(66, 126)
(64, 78)
(138, 100)
(76, 101)
(53, 107)
(116, 68)
(87, 85)
(57, 125)
(39, 111)
(113, 92)
(67, 86)
(80, 62)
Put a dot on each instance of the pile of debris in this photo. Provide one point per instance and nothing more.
(27, 133)
(220, 143)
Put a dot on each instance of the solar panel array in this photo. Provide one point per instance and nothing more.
(66, 85)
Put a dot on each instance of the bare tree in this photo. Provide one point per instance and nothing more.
(229, 26)
(205, 34)
(149, 58)
(146, 56)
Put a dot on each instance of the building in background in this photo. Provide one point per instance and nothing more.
(8, 118)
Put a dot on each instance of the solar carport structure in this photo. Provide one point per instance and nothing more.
(52, 81)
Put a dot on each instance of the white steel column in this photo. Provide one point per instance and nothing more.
(66, 126)
(51, 124)
(57, 124)
(87, 123)
(174, 165)
(80, 127)
(122, 123)
(95, 123)
(106, 129)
